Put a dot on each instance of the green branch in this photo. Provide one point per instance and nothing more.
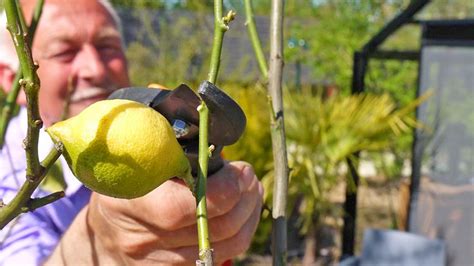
(34, 21)
(221, 25)
(10, 104)
(31, 84)
(35, 171)
(254, 38)
(36, 203)
(22, 202)
(205, 250)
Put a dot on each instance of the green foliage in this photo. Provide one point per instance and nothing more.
(333, 31)
(448, 9)
(139, 3)
(341, 126)
(254, 145)
(172, 55)
(321, 134)
(168, 4)
(398, 79)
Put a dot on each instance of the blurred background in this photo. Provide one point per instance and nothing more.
(169, 42)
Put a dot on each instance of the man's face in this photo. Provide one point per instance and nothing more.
(78, 49)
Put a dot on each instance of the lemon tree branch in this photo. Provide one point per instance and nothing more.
(30, 83)
(254, 38)
(7, 109)
(35, 171)
(221, 25)
(23, 201)
(205, 250)
(36, 203)
(280, 188)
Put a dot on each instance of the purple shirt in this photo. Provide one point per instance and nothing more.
(32, 237)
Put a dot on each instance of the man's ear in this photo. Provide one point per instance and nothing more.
(7, 76)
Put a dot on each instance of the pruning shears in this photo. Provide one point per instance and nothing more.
(179, 106)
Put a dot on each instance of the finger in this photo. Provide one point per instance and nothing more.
(220, 228)
(240, 242)
(228, 224)
(225, 226)
(146, 236)
(172, 206)
(223, 250)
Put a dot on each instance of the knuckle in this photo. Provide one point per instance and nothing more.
(128, 245)
(242, 164)
(222, 196)
(174, 213)
(242, 242)
(173, 222)
(224, 229)
(138, 246)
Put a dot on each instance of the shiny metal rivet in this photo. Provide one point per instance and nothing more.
(180, 128)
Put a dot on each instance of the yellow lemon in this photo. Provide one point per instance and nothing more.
(121, 148)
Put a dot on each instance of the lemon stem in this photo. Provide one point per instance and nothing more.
(189, 179)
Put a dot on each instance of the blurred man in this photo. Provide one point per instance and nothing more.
(78, 47)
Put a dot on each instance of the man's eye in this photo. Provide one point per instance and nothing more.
(65, 56)
(108, 49)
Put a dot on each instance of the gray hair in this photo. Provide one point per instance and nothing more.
(7, 50)
(113, 13)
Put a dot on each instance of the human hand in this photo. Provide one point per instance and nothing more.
(160, 228)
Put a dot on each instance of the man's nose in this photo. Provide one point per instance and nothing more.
(89, 65)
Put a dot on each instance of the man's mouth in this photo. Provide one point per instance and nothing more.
(91, 94)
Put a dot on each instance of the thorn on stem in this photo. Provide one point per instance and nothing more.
(212, 148)
(59, 146)
(38, 123)
(30, 178)
(24, 144)
(199, 108)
